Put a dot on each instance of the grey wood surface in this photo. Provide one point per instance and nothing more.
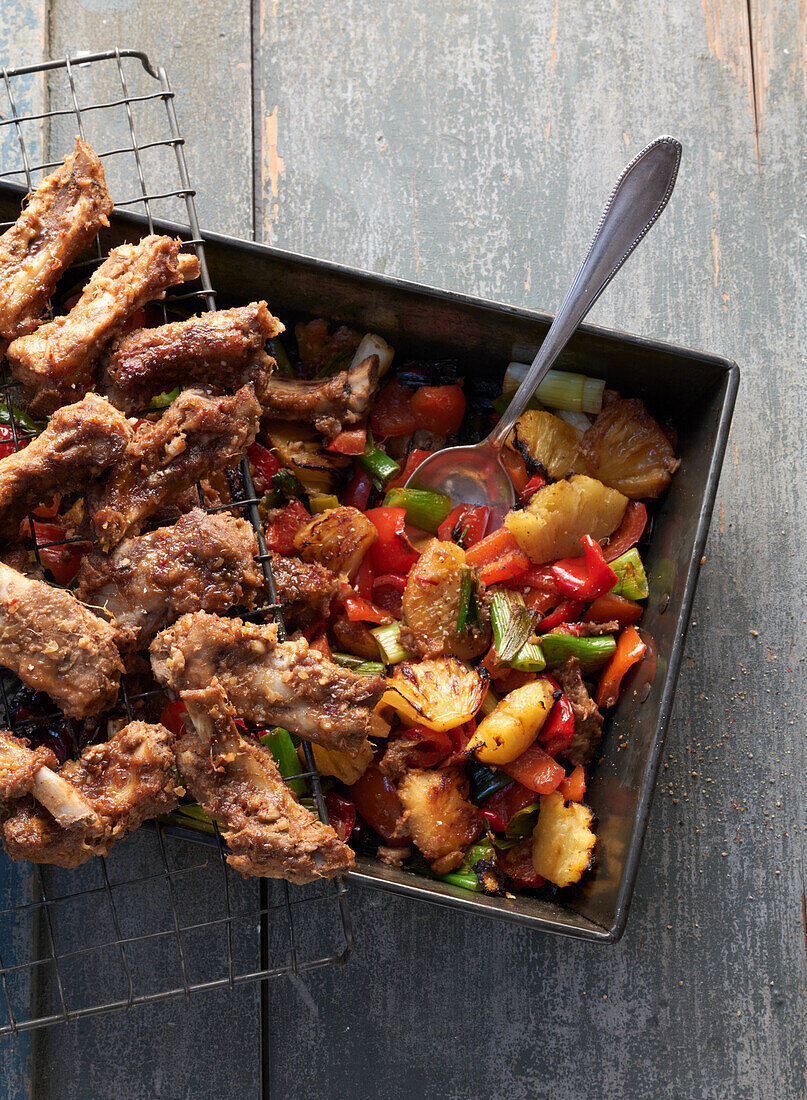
(470, 145)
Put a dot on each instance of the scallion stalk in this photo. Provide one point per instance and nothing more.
(592, 653)
(347, 660)
(279, 743)
(378, 465)
(560, 389)
(322, 502)
(424, 509)
(373, 344)
(530, 658)
(632, 583)
(389, 643)
(512, 623)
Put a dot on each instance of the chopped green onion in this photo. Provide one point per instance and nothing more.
(592, 653)
(530, 658)
(490, 702)
(378, 464)
(560, 389)
(288, 484)
(424, 509)
(322, 502)
(278, 352)
(632, 583)
(190, 817)
(163, 400)
(279, 743)
(347, 660)
(370, 668)
(484, 781)
(512, 623)
(21, 419)
(523, 821)
(466, 584)
(373, 344)
(389, 643)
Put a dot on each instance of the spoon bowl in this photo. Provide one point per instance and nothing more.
(469, 475)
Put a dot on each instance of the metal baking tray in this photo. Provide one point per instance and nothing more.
(696, 390)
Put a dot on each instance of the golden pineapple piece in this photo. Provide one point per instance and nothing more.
(439, 816)
(563, 841)
(625, 448)
(337, 539)
(549, 441)
(558, 516)
(300, 449)
(440, 693)
(513, 725)
(335, 762)
(431, 605)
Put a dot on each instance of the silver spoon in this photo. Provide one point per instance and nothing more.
(475, 474)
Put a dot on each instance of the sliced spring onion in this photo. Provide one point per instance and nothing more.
(322, 502)
(530, 658)
(278, 352)
(373, 344)
(466, 584)
(190, 817)
(279, 743)
(592, 653)
(370, 668)
(389, 643)
(560, 389)
(489, 703)
(632, 582)
(512, 623)
(424, 509)
(347, 660)
(163, 400)
(378, 464)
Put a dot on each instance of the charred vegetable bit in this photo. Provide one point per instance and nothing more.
(512, 623)
(631, 578)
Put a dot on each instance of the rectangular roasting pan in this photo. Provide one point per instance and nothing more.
(696, 390)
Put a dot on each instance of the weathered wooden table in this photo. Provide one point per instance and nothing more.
(469, 144)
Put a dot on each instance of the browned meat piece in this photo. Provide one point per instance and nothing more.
(236, 781)
(587, 630)
(202, 563)
(222, 351)
(439, 816)
(19, 765)
(197, 435)
(61, 219)
(270, 682)
(56, 363)
(304, 591)
(55, 644)
(31, 771)
(330, 404)
(127, 780)
(78, 444)
(400, 754)
(587, 718)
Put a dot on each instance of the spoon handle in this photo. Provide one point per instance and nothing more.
(637, 200)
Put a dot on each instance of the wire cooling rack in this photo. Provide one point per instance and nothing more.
(163, 914)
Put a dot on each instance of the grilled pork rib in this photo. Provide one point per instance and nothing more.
(304, 590)
(125, 781)
(56, 645)
(57, 363)
(61, 219)
(203, 563)
(267, 681)
(331, 404)
(221, 351)
(196, 436)
(79, 443)
(236, 781)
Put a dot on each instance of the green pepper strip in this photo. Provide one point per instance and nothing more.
(278, 742)
(632, 579)
(378, 465)
(424, 509)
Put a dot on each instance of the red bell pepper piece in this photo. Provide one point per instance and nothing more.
(612, 608)
(363, 584)
(388, 592)
(431, 746)
(439, 409)
(281, 530)
(460, 736)
(173, 716)
(629, 649)
(507, 568)
(358, 491)
(341, 814)
(263, 465)
(470, 522)
(319, 642)
(536, 769)
(392, 412)
(362, 611)
(557, 731)
(584, 578)
(516, 862)
(350, 442)
(376, 799)
(629, 531)
(536, 482)
(565, 612)
(392, 552)
(573, 787)
(7, 446)
(504, 804)
(62, 561)
(498, 558)
(414, 459)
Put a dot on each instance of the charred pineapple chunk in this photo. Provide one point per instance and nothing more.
(563, 841)
(441, 693)
(511, 728)
(300, 449)
(337, 539)
(549, 442)
(347, 769)
(439, 816)
(431, 605)
(558, 516)
(626, 449)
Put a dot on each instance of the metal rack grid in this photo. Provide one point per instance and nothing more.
(163, 914)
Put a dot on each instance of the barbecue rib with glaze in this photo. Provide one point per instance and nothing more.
(196, 436)
(79, 443)
(56, 645)
(126, 781)
(203, 563)
(221, 351)
(57, 363)
(61, 219)
(267, 681)
(331, 404)
(304, 590)
(235, 779)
